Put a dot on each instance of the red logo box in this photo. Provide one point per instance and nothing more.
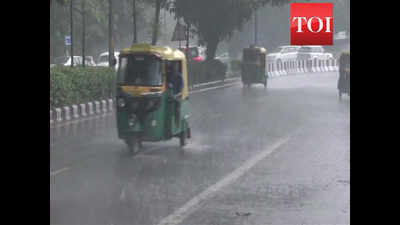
(311, 24)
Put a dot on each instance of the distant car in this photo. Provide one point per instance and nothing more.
(223, 58)
(294, 52)
(195, 53)
(103, 59)
(283, 53)
(89, 61)
(313, 52)
(66, 60)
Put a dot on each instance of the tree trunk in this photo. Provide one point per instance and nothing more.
(72, 35)
(83, 33)
(110, 36)
(156, 23)
(211, 48)
(134, 23)
(52, 22)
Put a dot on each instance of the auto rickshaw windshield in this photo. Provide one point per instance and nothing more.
(140, 70)
(250, 56)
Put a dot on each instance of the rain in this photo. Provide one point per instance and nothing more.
(198, 112)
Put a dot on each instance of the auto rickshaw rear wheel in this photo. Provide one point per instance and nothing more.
(184, 134)
(182, 138)
(189, 133)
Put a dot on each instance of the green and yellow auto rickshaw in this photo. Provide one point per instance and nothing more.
(152, 96)
(344, 74)
(253, 66)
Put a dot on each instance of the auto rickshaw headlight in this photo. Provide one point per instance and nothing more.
(132, 120)
(121, 102)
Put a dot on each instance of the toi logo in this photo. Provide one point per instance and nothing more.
(311, 24)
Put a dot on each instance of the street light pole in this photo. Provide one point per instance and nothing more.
(134, 22)
(255, 27)
(72, 32)
(53, 31)
(83, 32)
(110, 37)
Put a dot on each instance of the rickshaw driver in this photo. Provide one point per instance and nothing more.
(175, 82)
(174, 78)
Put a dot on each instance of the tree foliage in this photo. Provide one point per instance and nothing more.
(216, 21)
(96, 25)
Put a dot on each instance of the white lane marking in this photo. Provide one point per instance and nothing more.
(58, 171)
(203, 84)
(211, 88)
(195, 203)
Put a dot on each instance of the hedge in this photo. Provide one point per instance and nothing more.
(206, 71)
(80, 85)
(77, 85)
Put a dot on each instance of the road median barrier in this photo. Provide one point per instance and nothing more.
(75, 112)
(293, 67)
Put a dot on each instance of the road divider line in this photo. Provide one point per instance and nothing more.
(59, 171)
(179, 215)
(211, 88)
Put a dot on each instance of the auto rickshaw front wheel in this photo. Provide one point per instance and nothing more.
(134, 145)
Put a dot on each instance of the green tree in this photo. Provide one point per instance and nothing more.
(215, 21)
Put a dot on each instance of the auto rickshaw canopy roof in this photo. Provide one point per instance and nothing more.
(256, 49)
(346, 53)
(164, 52)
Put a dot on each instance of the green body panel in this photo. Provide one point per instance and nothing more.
(160, 124)
(175, 122)
(252, 73)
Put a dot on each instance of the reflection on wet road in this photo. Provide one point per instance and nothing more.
(304, 180)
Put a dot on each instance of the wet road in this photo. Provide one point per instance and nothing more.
(280, 156)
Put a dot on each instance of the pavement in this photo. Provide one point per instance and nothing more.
(276, 156)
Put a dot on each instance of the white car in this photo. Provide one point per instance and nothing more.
(224, 58)
(66, 60)
(196, 53)
(295, 52)
(89, 61)
(313, 52)
(103, 59)
(283, 53)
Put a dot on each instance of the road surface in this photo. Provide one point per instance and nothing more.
(280, 156)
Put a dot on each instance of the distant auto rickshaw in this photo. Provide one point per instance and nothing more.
(253, 66)
(152, 96)
(344, 74)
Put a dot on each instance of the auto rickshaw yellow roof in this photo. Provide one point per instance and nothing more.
(346, 52)
(163, 51)
(261, 49)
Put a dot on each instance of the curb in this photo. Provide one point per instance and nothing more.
(83, 110)
(76, 112)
